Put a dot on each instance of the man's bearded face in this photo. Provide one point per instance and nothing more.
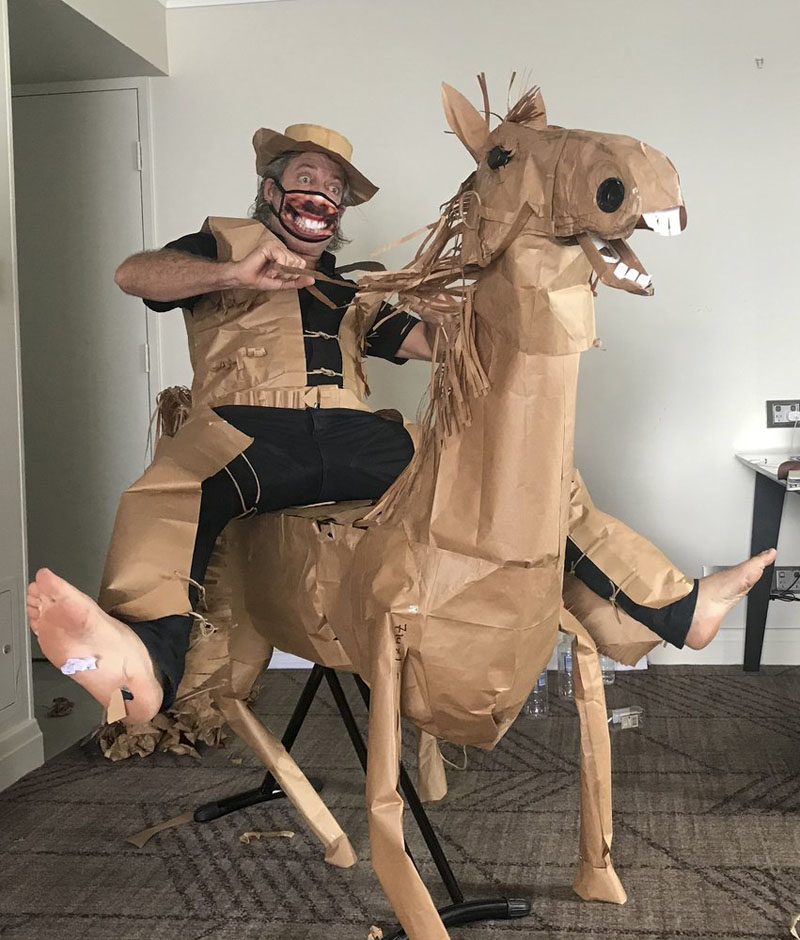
(307, 201)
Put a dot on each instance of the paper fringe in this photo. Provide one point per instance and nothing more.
(439, 287)
(173, 405)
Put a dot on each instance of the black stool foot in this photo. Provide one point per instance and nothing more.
(218, 808)
(468, 912)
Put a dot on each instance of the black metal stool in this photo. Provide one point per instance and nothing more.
(461, 911)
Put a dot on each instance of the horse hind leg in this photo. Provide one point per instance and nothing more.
(596, 879)
(249, 655)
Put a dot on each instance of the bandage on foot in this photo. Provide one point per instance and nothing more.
(101, 654)
(720, 592)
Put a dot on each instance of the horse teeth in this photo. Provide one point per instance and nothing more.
(607, 253)
(644, 280)
(621, 270)
(664, 222)
(631, 275)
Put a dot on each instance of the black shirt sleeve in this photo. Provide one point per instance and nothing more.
(202, 244)
(386, 337)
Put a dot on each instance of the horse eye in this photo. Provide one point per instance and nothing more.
(610, 194)
(497, 157)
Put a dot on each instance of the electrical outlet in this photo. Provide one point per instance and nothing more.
(786, 580)
(783, 413)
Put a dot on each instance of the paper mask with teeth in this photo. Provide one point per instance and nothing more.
(308, 215)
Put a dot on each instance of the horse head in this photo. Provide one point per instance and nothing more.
(566, 185)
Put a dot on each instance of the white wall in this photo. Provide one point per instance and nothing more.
(683, 383)
(20, 739)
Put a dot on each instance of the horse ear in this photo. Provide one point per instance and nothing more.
(466, 121)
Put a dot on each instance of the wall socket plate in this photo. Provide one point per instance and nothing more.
(783, 412)
(786, 580)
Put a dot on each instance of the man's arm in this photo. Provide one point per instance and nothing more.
(418, 343)
(165, 275)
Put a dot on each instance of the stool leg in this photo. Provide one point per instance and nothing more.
(767, 510)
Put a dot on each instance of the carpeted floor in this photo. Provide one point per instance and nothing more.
(707, 835)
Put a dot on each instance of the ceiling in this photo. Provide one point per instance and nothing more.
(51, 42)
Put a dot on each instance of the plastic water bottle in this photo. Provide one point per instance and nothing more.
(566, 687)
(609, 669)
(537, 705)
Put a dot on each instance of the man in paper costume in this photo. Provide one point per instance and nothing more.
(278, 419)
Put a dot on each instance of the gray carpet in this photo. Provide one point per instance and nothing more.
(707, 837)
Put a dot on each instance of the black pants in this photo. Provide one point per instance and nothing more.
(297, 457)
(314, 455)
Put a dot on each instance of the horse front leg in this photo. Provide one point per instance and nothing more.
(399, 878)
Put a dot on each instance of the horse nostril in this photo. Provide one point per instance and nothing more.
(497, 157)
(610, 194)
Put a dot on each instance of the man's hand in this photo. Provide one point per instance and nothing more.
(168, 274)
(262, 268)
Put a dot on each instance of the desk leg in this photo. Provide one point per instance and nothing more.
(767, 509)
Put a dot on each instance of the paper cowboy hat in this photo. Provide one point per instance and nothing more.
(269, 144)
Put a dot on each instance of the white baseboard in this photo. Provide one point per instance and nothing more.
(781, 648)
(21, 751)
(281, 660)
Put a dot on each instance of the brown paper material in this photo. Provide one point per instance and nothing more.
(432, 783)
(614, 633)
(116, 710)
(636, 566)
(290, 778)
(595, 879)
(150, 558)
(396, 872)
(256, 835)
(258, 358)
(194, 718)
(60, 708)
(140, 839)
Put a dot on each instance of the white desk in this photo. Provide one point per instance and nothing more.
(768, 464)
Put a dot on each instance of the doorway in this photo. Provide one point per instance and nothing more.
(85, 354)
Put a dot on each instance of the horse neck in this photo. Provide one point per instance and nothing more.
(502, 483)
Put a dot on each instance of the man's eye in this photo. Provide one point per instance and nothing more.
(335, 190)
(305, 178)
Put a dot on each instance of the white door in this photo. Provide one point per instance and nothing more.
(85, 388)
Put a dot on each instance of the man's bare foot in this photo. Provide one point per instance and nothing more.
(70, 625)
(719, 593)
